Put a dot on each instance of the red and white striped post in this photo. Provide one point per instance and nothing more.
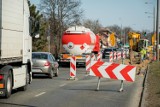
(99, 56)
(111, 57)
(88, 63)
(73, 67)
(123, 54)
(154, 56)
(118, 55)
(115, 55)
(93, 57)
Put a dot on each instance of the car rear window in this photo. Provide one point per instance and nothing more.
(39, 56)
(106, 50)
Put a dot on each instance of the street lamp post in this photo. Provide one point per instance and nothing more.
(154, 19)
(157, 31)
(121, 33)
(156, 26)
(154, 16)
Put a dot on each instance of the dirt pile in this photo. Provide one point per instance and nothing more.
(140, 66)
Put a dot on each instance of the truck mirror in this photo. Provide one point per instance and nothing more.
(37, 26)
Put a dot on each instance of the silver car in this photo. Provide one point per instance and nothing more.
(45, 63)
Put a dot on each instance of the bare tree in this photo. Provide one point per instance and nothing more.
(126, 30)
(116, 29)
(60, 14)
(94, 25)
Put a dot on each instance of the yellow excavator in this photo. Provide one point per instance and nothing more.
(136, 43)
(133, 38)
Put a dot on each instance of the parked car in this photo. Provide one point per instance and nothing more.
(44, 63)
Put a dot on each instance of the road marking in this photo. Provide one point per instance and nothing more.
(86, 75)
(62, 85)
(40, 94)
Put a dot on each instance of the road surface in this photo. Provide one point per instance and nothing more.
(60, 92)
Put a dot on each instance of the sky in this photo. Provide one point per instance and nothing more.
(123, 13)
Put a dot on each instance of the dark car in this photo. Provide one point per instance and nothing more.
(106, 52)
(44, 63)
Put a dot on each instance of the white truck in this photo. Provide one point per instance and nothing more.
(15, 46)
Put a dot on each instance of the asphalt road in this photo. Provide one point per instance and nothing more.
(60, 92)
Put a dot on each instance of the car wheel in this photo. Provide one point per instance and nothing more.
(51, 74)
(56, 74)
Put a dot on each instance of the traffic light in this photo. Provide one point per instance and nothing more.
(144, 34)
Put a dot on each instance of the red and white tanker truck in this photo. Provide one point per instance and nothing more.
(78, 41)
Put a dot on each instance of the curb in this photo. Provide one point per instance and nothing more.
(144, 89)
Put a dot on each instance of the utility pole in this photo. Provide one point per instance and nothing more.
(157, 31)
(121, 34)
(49, 39)
(154, 19)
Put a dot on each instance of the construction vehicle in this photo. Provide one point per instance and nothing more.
(136, 43)
(153, 39)
(143, 43)
(78, 41)
(133, 38)
(15, 46)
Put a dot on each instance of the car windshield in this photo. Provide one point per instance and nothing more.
(39, 56)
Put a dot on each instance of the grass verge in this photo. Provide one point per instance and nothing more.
(153, 85)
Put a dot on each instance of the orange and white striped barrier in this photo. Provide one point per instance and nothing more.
(72, 67)
(88, 60)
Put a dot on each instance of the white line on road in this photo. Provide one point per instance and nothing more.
(40, 94)
(87, 75)
(62, 85)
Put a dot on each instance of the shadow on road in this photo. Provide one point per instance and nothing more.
(17, 105)
(41, 76)
(100, 90)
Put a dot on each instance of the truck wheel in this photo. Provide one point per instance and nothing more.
(29, 73)
(51, 74)
(8, 88)
(56, 74)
